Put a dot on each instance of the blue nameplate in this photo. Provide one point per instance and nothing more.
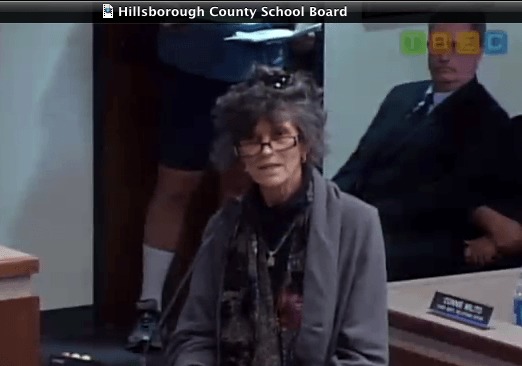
(461, 310)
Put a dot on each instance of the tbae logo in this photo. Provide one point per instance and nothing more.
(108, 11)
(415, 42)
(496, 42)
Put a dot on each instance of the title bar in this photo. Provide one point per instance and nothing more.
(253, 11)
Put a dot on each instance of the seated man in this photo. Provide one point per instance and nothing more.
(430, 157)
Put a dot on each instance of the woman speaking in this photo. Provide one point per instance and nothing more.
(293, 272)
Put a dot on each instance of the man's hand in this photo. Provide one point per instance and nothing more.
(509, 237)
(481, 251)
(505, 232)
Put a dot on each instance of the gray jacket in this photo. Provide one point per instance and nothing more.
(344, 320)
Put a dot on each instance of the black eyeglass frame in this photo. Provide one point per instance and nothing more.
(261, 145)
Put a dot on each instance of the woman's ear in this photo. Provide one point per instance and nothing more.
(305, 151)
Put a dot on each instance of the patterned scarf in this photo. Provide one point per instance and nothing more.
(258, 328)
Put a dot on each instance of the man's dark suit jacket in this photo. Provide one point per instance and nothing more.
(426, 176)
(510, 201)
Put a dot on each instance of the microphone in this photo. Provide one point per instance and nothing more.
(166, 312)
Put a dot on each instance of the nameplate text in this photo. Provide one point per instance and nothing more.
(461, 310)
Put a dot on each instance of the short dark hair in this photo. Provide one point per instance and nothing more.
(278, 96)
(476, 20)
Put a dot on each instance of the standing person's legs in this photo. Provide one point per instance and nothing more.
(186, 133)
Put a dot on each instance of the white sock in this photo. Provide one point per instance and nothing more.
(156, 264)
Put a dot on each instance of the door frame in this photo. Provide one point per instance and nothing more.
(99, 265)
(124, 172)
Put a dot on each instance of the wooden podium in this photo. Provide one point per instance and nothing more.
(19, 310)
(420, 338)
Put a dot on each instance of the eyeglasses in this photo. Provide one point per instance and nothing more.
(252, 148)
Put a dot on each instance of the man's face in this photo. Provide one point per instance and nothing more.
(450, 70)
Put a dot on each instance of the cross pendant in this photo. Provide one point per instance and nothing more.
(270, 261)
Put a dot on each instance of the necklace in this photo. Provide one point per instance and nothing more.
(272, 253)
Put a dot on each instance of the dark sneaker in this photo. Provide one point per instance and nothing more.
(145, 329)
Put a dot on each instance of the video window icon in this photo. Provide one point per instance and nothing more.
(108, 11)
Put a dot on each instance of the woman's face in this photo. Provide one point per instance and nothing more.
(274, 154)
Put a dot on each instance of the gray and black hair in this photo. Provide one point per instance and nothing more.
(277, 96)
(476, 20)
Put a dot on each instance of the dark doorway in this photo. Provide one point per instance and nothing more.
(125, 100)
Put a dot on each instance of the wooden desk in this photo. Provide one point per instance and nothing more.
(420, 338)
(19, 310)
